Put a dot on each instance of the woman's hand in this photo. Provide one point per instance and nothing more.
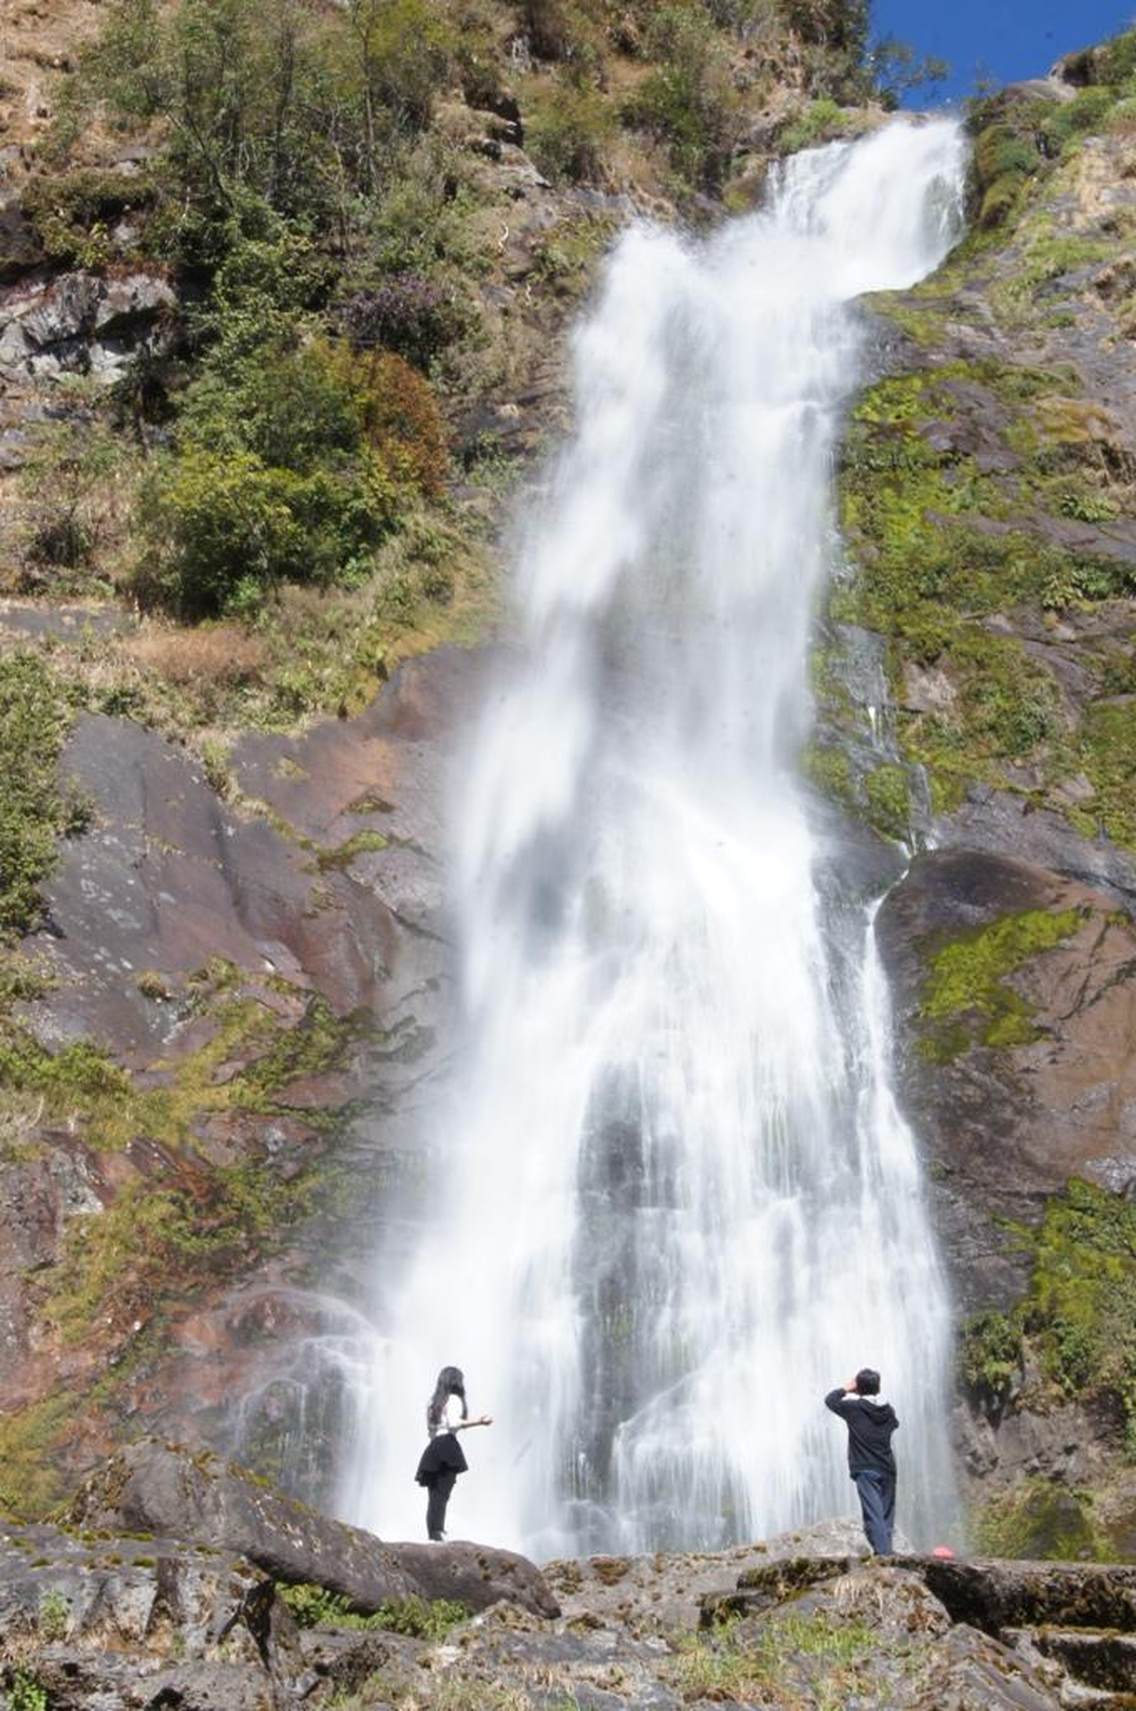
(485, 1420)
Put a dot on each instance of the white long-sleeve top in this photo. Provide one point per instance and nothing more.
(451, 1416)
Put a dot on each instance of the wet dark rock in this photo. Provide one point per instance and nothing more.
(995, 1595)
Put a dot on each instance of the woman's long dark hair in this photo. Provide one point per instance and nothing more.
(450, 1383)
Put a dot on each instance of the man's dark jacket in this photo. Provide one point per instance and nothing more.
(870, 1426)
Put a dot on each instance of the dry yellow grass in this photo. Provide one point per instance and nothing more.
(215, 653)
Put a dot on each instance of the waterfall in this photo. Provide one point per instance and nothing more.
(673, 1201)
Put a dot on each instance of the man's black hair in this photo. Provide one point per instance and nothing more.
(867, 1382)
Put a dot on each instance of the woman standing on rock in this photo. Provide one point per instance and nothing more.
(442, 1459)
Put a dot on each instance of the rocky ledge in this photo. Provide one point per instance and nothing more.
(180, 1582)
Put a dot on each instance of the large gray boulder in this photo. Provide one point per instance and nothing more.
(101, 1623)
(166, 1489)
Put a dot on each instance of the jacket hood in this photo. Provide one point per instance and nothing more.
(879, 1412)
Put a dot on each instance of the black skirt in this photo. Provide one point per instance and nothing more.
(442, 1454)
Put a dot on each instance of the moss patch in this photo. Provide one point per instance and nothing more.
(1081, 1312)
(121, 1262)
(889, 800)
(30, 1482)
(1107, 753)
(82, 1083)
(1075, 1328)
(967, 998)
(35, 716)
(341, 857)
(1041, 1519)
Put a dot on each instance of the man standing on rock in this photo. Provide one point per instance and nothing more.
(871, 1463)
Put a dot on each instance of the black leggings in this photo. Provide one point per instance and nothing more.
(441, 1484)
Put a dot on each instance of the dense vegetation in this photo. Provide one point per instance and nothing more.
(307, 185)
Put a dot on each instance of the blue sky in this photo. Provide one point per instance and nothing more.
(1002, 39)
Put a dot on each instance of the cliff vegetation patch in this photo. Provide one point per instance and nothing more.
(967, 997)
(1078, 1318)
(35, 809)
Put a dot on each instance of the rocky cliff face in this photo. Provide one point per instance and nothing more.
(988, 505)
(236, 984)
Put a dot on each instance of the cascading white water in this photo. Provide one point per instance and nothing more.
(673, 1201)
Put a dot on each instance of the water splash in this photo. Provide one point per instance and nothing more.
(674, 1200)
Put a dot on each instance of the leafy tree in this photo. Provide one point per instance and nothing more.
(689, 101)
(294, 458)
(896, 68)
(272, 96)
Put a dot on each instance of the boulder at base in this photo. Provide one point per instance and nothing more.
(166, 1489)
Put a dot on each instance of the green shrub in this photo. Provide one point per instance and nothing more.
(990, 1358)
(568, 132)
(293, 462)
(283, 100)
(561, 30)
(225, 527)
(54, 1615)
(72, 211)
(689, 101)
(840, 24)
(821, 121)
(1116, 59)
(66, 484)
(1006, 157)
(1001, 149)
(311, 1604)
(1087, 111)
(1087, 507)
(423, 214)
(25, 1692)
(423, 1619)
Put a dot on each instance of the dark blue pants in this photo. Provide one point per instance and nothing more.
(877, 1504)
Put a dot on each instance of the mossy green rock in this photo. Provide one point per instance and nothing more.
(1015, 1003)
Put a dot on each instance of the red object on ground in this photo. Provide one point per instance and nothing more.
(942, 1551)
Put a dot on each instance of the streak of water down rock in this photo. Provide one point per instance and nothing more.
(672, 1200)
